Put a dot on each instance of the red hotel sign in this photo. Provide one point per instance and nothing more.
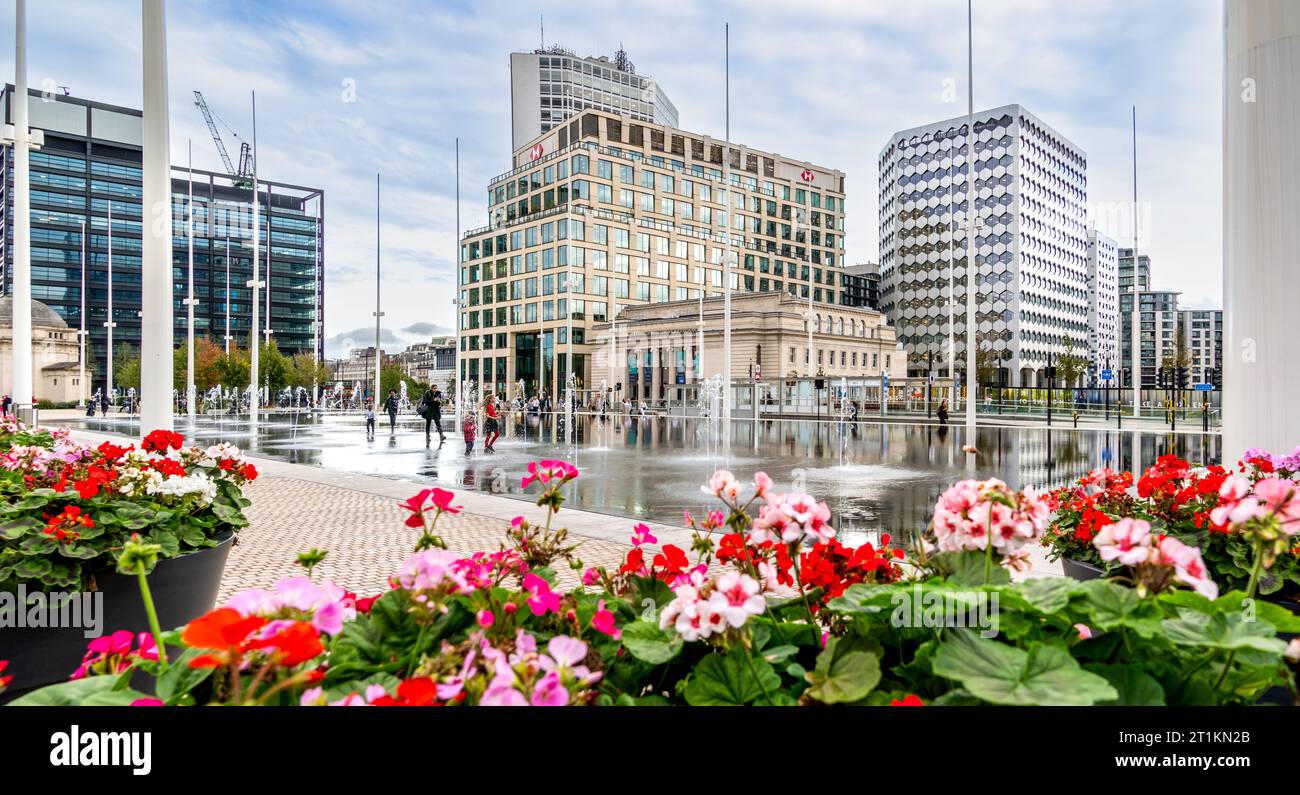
(535, 152)
(807, 175)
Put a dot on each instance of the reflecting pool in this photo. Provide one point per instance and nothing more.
(875, 476)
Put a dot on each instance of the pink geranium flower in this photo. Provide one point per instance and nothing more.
(1127, 541)
(541, 599)
(603, 622)
(641, 535)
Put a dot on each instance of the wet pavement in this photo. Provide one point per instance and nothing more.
(875, 476)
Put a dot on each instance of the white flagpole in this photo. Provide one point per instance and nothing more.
(189, 299)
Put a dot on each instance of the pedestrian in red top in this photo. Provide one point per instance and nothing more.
(470, 430)
(491, 426)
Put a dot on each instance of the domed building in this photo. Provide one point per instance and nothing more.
(56, 375)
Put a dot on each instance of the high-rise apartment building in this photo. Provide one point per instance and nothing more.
(1203, 342)
(1126, 271)
(860, 285)
(549, 86)
(91, 159)
(634, 213)
(1031, 247)
(1158, 322)
(1103, 306)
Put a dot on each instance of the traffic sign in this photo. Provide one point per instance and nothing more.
(1205, 387)
(1108, 375)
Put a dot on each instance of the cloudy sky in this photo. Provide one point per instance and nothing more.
(827, 82)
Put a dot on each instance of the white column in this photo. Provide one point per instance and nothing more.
(23, 391)
(189, 297)
(254, 352)
(83, 391)
(1261, 201)
(156, 330)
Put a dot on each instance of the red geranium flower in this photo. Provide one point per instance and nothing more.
(672, 561)
(224, 631)
(296, 643)
(910, 700)
(160, 441)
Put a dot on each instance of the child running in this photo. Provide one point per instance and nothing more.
(370, 419)
(492, 425)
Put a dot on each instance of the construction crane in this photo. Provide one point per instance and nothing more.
(243, 175)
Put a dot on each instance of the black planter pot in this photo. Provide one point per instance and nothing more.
(183, 588)
(1078, 570)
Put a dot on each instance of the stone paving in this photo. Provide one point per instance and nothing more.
(364, 534)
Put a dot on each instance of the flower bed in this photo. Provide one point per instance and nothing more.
(1238, 519)
(765, 607)
(68, 509)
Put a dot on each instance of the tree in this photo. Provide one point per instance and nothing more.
(986, 366)
(305, 371)
(126, 368)
(1069, 368)
(273, 367)
(233, 369)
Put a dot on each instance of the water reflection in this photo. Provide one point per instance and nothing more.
(875, 476)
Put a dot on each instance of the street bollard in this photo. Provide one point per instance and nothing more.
(1076, 419)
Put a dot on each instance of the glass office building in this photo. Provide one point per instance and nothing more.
(91, 161)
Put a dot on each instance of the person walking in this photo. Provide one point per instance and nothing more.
(391, 404)
(943, 412)
(492, 425)
(431, 409)
(5, 405)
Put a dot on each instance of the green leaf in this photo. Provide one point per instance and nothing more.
(15, 529)
(776, 654)
(648, 643)
(132, 516)
(1283, 620)
(1048, 595)
(66, 694)
(180, 678)
(113, 698)
(1001, 674)
(1136, 687)
(1110, 605)
(967, 569)
(726, 680)
(1222, 631)
(845, 671)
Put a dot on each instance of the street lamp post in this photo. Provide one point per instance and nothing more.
(379, 359)
(109, 323)
(973, 228)
(729, 256)
(83, 388)
(189, 298)
(227, 286)
(256, 286)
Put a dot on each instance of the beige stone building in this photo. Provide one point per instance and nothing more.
(55, 352)
(650, 350)
(635, 213)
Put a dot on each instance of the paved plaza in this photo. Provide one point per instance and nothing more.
(357, 518)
